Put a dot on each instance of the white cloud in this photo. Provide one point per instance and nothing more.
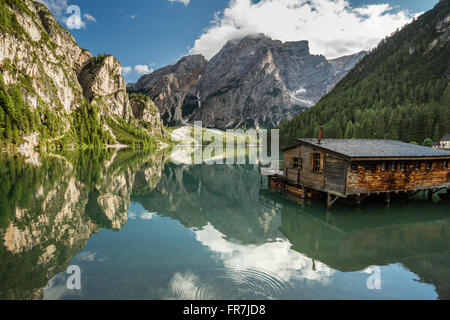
(332, 27)
(87, 256)
(142, 69)
(69, 15)
(89, 17)
(148, 215)
(276, 258)
(139, 69)
(185, 2)
(126, 70)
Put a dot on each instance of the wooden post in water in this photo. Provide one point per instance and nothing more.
(430, 194)
(330, 200)
(388, 198)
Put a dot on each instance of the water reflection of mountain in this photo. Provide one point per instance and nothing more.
(415, 235)
(48, 210)
(226, 196)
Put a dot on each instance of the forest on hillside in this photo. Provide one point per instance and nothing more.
(400, 90)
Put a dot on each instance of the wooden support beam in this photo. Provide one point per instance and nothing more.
(413, 193)
(360, 198)
(388, 198)
(430, 194)
(330, 200)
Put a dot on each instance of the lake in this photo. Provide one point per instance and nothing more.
(136, 225)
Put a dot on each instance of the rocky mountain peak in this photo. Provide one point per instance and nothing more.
(251, 81)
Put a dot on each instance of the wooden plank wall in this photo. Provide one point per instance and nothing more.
(309, 178)
(289, 155)
(293, 175)
(335, 174)
(399, 180)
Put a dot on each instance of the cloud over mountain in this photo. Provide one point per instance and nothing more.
(333, 28)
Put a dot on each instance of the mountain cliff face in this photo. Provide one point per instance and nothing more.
(169, 86)
(400, 90)
(102, 82)
(51, 87)
(254, 81)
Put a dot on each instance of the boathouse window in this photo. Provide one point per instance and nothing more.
(428, 165)
(297, 163)
(354, 166)
(445, 165)
(316, 163)
(393, 166)
(417, 165)
(402, 165)
(383, 166)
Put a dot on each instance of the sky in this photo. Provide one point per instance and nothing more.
(145, 35)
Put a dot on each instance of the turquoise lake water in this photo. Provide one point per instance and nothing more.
(141, 227)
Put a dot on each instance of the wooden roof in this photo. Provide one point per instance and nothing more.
(374, 148)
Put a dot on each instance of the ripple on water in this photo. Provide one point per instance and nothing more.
(188, 286)
(228, 283)
(258, 283)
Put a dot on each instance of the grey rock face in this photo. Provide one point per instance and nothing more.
(102, 82)
(60, 75)
(251, 82)
(168, 86)
(146, 111)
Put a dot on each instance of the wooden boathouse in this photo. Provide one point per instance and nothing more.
(343, 168)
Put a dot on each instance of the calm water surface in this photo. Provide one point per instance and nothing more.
(141, 227)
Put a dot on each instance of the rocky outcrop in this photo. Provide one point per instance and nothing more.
(56, 77)
(169, 86)
(341, 66)
(40, 58)
(145, 110)
(102, 83)
(251, 82)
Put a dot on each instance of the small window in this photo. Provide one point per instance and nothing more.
(429, 165)
(402, 166)
(394, 166)
(445, 164)
(417, 165)
(354, 166)
(297, 163)
(317, 162)
(383, 166)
